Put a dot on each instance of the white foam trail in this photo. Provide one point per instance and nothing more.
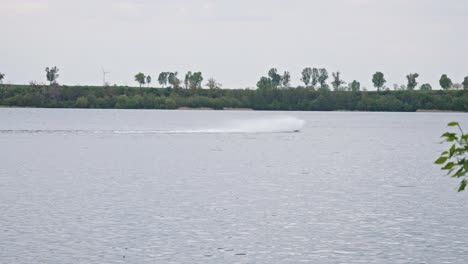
(282, 124)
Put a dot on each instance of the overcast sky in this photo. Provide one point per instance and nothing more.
(234, 41)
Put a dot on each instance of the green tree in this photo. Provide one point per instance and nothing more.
(52, 74)
(148, 80)
(455, 160)
(378, 80)
(187, 78)
(286, 79)
(195, 81)
(322, 78)
(306, 76)
(315, 77)
(445, 82)
(140, 78)
(213, 84)
(275, 77)
(337, 81)
(265, 83)
(2, 76)
(162, 78)
(173, 80)
(465, 83)
(355, 86)
(426, 87)
(412, 82)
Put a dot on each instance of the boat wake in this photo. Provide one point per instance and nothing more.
(286, 124)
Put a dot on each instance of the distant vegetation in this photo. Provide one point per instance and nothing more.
(273, 92)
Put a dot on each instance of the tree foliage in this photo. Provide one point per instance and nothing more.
(445, 82)
(275, 77)
(265, 83)
(213, 84)
(412, 83)
(2, 76)
(355, 86)
(337, 81)
(378, 79)
(455, 159)
(140, 78)
(426, 87)
(286, 80)
(162, 78)
(306, 76)
(322, 78)
(148, 80)
(187, 78)
(195, 80)
(267, 97)
(173, 80)
(315, 77)
(465, 83)
(52, 74)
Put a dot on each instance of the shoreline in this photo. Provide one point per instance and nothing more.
(232, 109)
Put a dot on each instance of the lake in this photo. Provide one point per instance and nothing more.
(141, 186)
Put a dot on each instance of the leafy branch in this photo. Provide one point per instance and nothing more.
(455, 160)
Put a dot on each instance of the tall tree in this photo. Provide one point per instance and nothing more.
(140, 78)
(412, 82)
(187, 78)
(426, 87)
(162, 78)
(337, 81)
(355, 86)
(286, 79)
(445, 82)
(52, 74)
(195, 81)
(173, 80)
(306, 76)
(322, 78)
(213, 84)
(275, 77)
(378, 80)
(265, 83)
(315, 77)
(2, 76)
(148, 80)
(465, 83)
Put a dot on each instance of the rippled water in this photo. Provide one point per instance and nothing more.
(124, 186)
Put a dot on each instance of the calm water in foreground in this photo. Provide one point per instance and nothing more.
(125, 186)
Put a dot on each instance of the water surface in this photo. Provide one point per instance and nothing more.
(135, 186)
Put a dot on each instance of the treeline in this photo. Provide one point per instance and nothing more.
(263, 98)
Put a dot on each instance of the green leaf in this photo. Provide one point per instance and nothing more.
(452, 124)
(461, 172)
(462, 186)
(450, 137)
(449, 166)
(441, 160)
(452, 150)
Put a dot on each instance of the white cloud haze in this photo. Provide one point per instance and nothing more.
(234, 41)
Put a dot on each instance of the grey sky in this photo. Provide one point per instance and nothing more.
(234, 41)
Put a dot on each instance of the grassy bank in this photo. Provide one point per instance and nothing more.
(263, 99)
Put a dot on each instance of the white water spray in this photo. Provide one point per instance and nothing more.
(279, 124)
(282, 124)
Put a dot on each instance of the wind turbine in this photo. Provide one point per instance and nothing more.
(104, 73)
